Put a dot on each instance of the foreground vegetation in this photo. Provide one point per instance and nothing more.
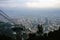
(6, 33)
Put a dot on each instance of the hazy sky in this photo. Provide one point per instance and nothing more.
(16, 8)
(30, 3)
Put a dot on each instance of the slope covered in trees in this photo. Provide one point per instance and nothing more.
(6, 33)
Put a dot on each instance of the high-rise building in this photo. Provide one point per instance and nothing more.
(46, 21)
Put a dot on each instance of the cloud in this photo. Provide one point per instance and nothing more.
(12, 4)
(30, 3)
(44, 4)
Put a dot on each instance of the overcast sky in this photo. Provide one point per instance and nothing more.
(30, 3)
(13, 7)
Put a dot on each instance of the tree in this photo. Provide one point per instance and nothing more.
(40, 29)
(18, 29)
(5, 29)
